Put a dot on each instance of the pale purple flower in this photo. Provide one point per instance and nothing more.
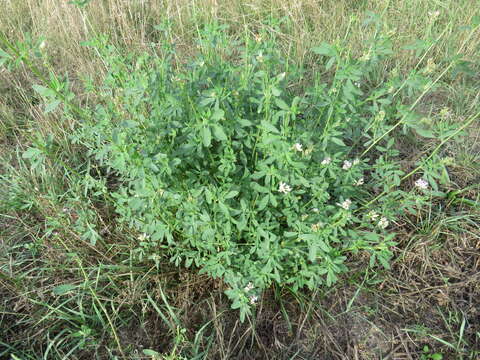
(248, 287)
(373, 215)
(252, 298)
(298, 147)
(421, 184)
(326, 161)
(316, 227)
(346, 165)
(359, 182)
(345, 204)
(143, 237)
(383, 223)
(284, 188)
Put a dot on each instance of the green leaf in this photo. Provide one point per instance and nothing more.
(330, 63)
(219, 133)
(264, 202)
(244, 122)
(269, 127)
(231, 194)
(52, 106)
(80, 3)
(424, 132)
(419, 46)
(338, 141)
(31, 153)
(218, 114)
(312, 252)
(206, 136)
(149, 352)
(43, 91)
(4, 57)
(63, 289)
(273, 200)
(476, 20)
(323, 245)
(257, 187)
(129, 124)
(384, 261)
(324, 49)
(224, 209)
(276, 91)
(258, 175)
(282, 104)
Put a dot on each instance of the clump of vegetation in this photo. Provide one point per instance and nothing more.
(222, 164)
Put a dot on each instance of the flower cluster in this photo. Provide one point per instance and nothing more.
(284, 188)
(383, 223)
(252, 298)
(421, 184)
(326, 161)
(345, 204)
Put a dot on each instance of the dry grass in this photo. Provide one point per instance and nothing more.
(131, 23)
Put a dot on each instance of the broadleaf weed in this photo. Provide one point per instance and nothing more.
(222, 163)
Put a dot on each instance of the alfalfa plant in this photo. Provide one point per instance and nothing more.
(224, 164)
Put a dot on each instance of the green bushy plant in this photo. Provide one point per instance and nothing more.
(227, 164)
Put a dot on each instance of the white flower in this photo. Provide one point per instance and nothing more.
(42, 45)
(383, 223)
(346, 165)
(316, 227)
(356, 161)
(284, 188)
(359, 182)
(345, 204)
(421, 184)
(248, 287)
(372, 215)
(315, 210)
(143, 237)
(326, 161)
(298, 147)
